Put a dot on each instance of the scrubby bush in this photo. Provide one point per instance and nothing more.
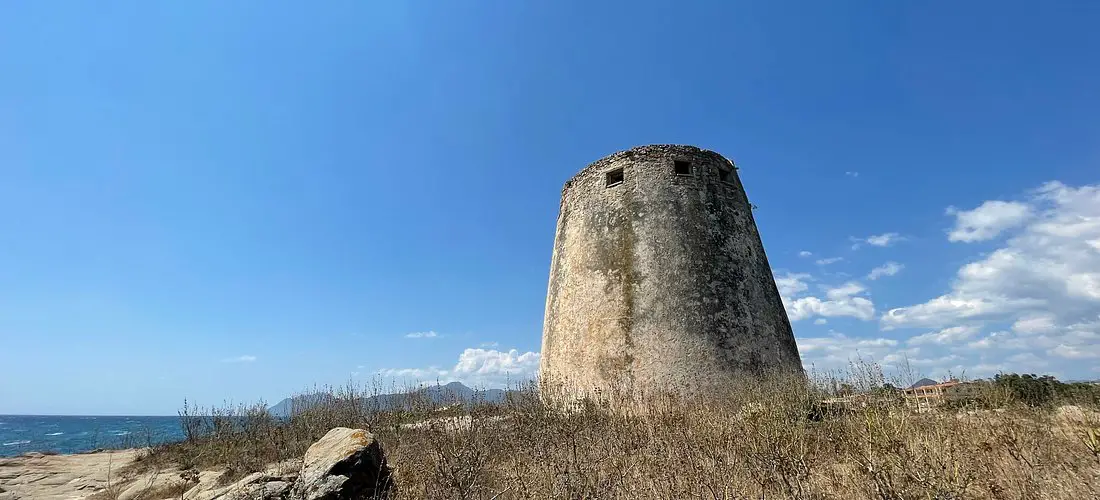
(1032, 390)
(1035, 391)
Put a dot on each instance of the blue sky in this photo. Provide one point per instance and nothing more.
(235, 201)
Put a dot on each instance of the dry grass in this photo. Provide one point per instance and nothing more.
(767, 440)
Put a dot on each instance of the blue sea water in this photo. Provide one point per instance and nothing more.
(74, 434)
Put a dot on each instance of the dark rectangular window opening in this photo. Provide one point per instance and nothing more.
(723, 175)
(681, 167)
(615, 177)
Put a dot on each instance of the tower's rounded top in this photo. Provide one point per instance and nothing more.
(663, 150)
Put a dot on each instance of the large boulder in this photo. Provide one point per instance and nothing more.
(345, 464)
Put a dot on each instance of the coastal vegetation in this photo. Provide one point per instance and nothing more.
(851, 435)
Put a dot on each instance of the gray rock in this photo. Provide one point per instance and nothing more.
(255, 486)
(275, 489)
(148, 485)
(345, 464)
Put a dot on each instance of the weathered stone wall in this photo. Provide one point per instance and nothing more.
(660, 283)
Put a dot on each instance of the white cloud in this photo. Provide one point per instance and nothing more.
(791, 284)
(1047, 267)
(1075, 352)
(852, 173)
(848, 289)
(496, 366)
(1084, 334)
(840, 301)
(1026, 359)
(1000, 339)
(490, 344)
(830, 260)
(430, 374)
(820, 321)
(808, 307)
(246, 358)
(987, 221)
(988, 369)
(878, 240)
(936, 363)
(888, 269)
(951, 308)
(1039, 290)
(421, 335)
(837, 350)
(838, 342)
(951, 335)
(883, 240)
(805, 253)
(477, 368)
(1036, 323)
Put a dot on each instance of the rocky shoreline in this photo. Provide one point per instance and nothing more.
(345, 463)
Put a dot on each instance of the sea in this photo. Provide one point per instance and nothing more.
(75, 434)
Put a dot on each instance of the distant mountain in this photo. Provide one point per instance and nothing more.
(454, 392)
(298, 403)
(457, 392)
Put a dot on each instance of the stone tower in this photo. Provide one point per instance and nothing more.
(659, 281)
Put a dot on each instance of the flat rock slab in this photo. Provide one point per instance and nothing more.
(61, 477)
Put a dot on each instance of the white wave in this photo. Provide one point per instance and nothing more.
(16, 443)
(55, 434)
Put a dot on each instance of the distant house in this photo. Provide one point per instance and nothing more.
(927, 394)
(922, 396)
(924, 382)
